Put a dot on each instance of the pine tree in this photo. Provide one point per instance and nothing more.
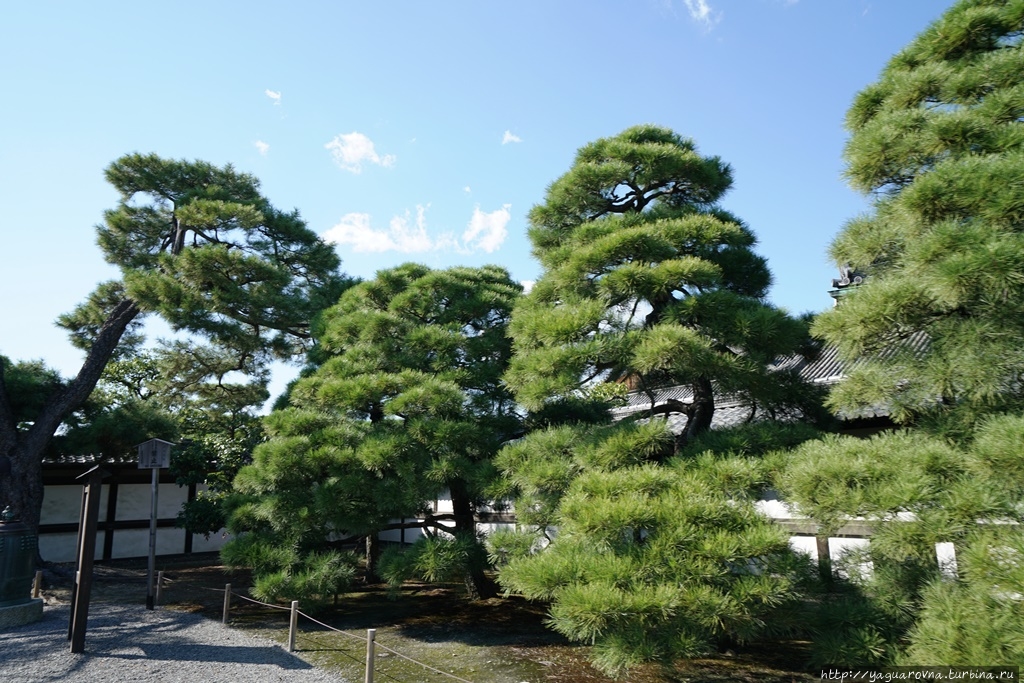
(917, 489)
(200, 246)
(938, 142)
(408, 402)
(647, 283)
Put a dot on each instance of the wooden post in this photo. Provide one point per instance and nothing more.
(37, 585)
(159, 585)
(293, 625)
(86, 555)
(371, 634)
(227, 603)
(78, 560)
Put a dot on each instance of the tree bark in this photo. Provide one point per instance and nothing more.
(22, 488)
(479, 586)
(699, 413)
(372, 557)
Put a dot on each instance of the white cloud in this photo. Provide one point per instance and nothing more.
(354, 229)
(408, 235)
(527, 285)
(466, 189)
(276, 96)
(352, 149)
(510, 137)
(487, 231)
(262, 147)
(701, 12)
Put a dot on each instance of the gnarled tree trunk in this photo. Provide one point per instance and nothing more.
(700, 413)
(21, 484)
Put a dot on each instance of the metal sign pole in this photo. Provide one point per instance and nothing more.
(153, 455)
(152, 540)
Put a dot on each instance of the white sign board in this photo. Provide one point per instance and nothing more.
(155, 453)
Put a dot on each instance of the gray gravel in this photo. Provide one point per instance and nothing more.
(131, 643)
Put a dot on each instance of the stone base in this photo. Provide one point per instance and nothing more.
(16, 615)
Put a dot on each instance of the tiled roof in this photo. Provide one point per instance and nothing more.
(88, 459)
(826, 368)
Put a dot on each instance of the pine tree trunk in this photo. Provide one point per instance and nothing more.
(372, 557)
(479, 586)
(22, 486)
(700, 413)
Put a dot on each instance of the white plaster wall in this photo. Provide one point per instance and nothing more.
(62, 505)
(201, 544)
(134, 501)
(135, 542)
(807, 545)
(63, 547)
(491, 527)
(838, 547)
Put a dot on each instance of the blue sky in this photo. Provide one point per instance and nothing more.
(421, 131)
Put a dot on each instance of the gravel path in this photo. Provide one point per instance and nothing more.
(131, 643)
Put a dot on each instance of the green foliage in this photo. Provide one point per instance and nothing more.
(28, 385)
(848, 631)
(205, 515)
(756, 439)
(647, 283)
(435, 559)
(840, 477)
(917, 490)
(283, 575)
(200, 246)
(106, 425)
(408, 402)
(238, 280)
(934, 332)
(980, 617)
(113, 430)
(504, 545)
(657, 562)
(83, 324)
(938, 140)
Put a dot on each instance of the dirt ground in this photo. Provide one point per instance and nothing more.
(502, 640)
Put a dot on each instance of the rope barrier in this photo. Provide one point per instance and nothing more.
(330, 628)
(384, 647)
(257, 602)
(425, 666)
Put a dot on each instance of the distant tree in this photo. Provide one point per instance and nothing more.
(647, 283)
(215, 419)
(938, 143)
(407, 403)
(201, 247)
(106, 425)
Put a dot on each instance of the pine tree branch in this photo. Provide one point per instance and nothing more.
(67, 398)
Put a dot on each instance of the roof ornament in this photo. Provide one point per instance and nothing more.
(847, 276)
